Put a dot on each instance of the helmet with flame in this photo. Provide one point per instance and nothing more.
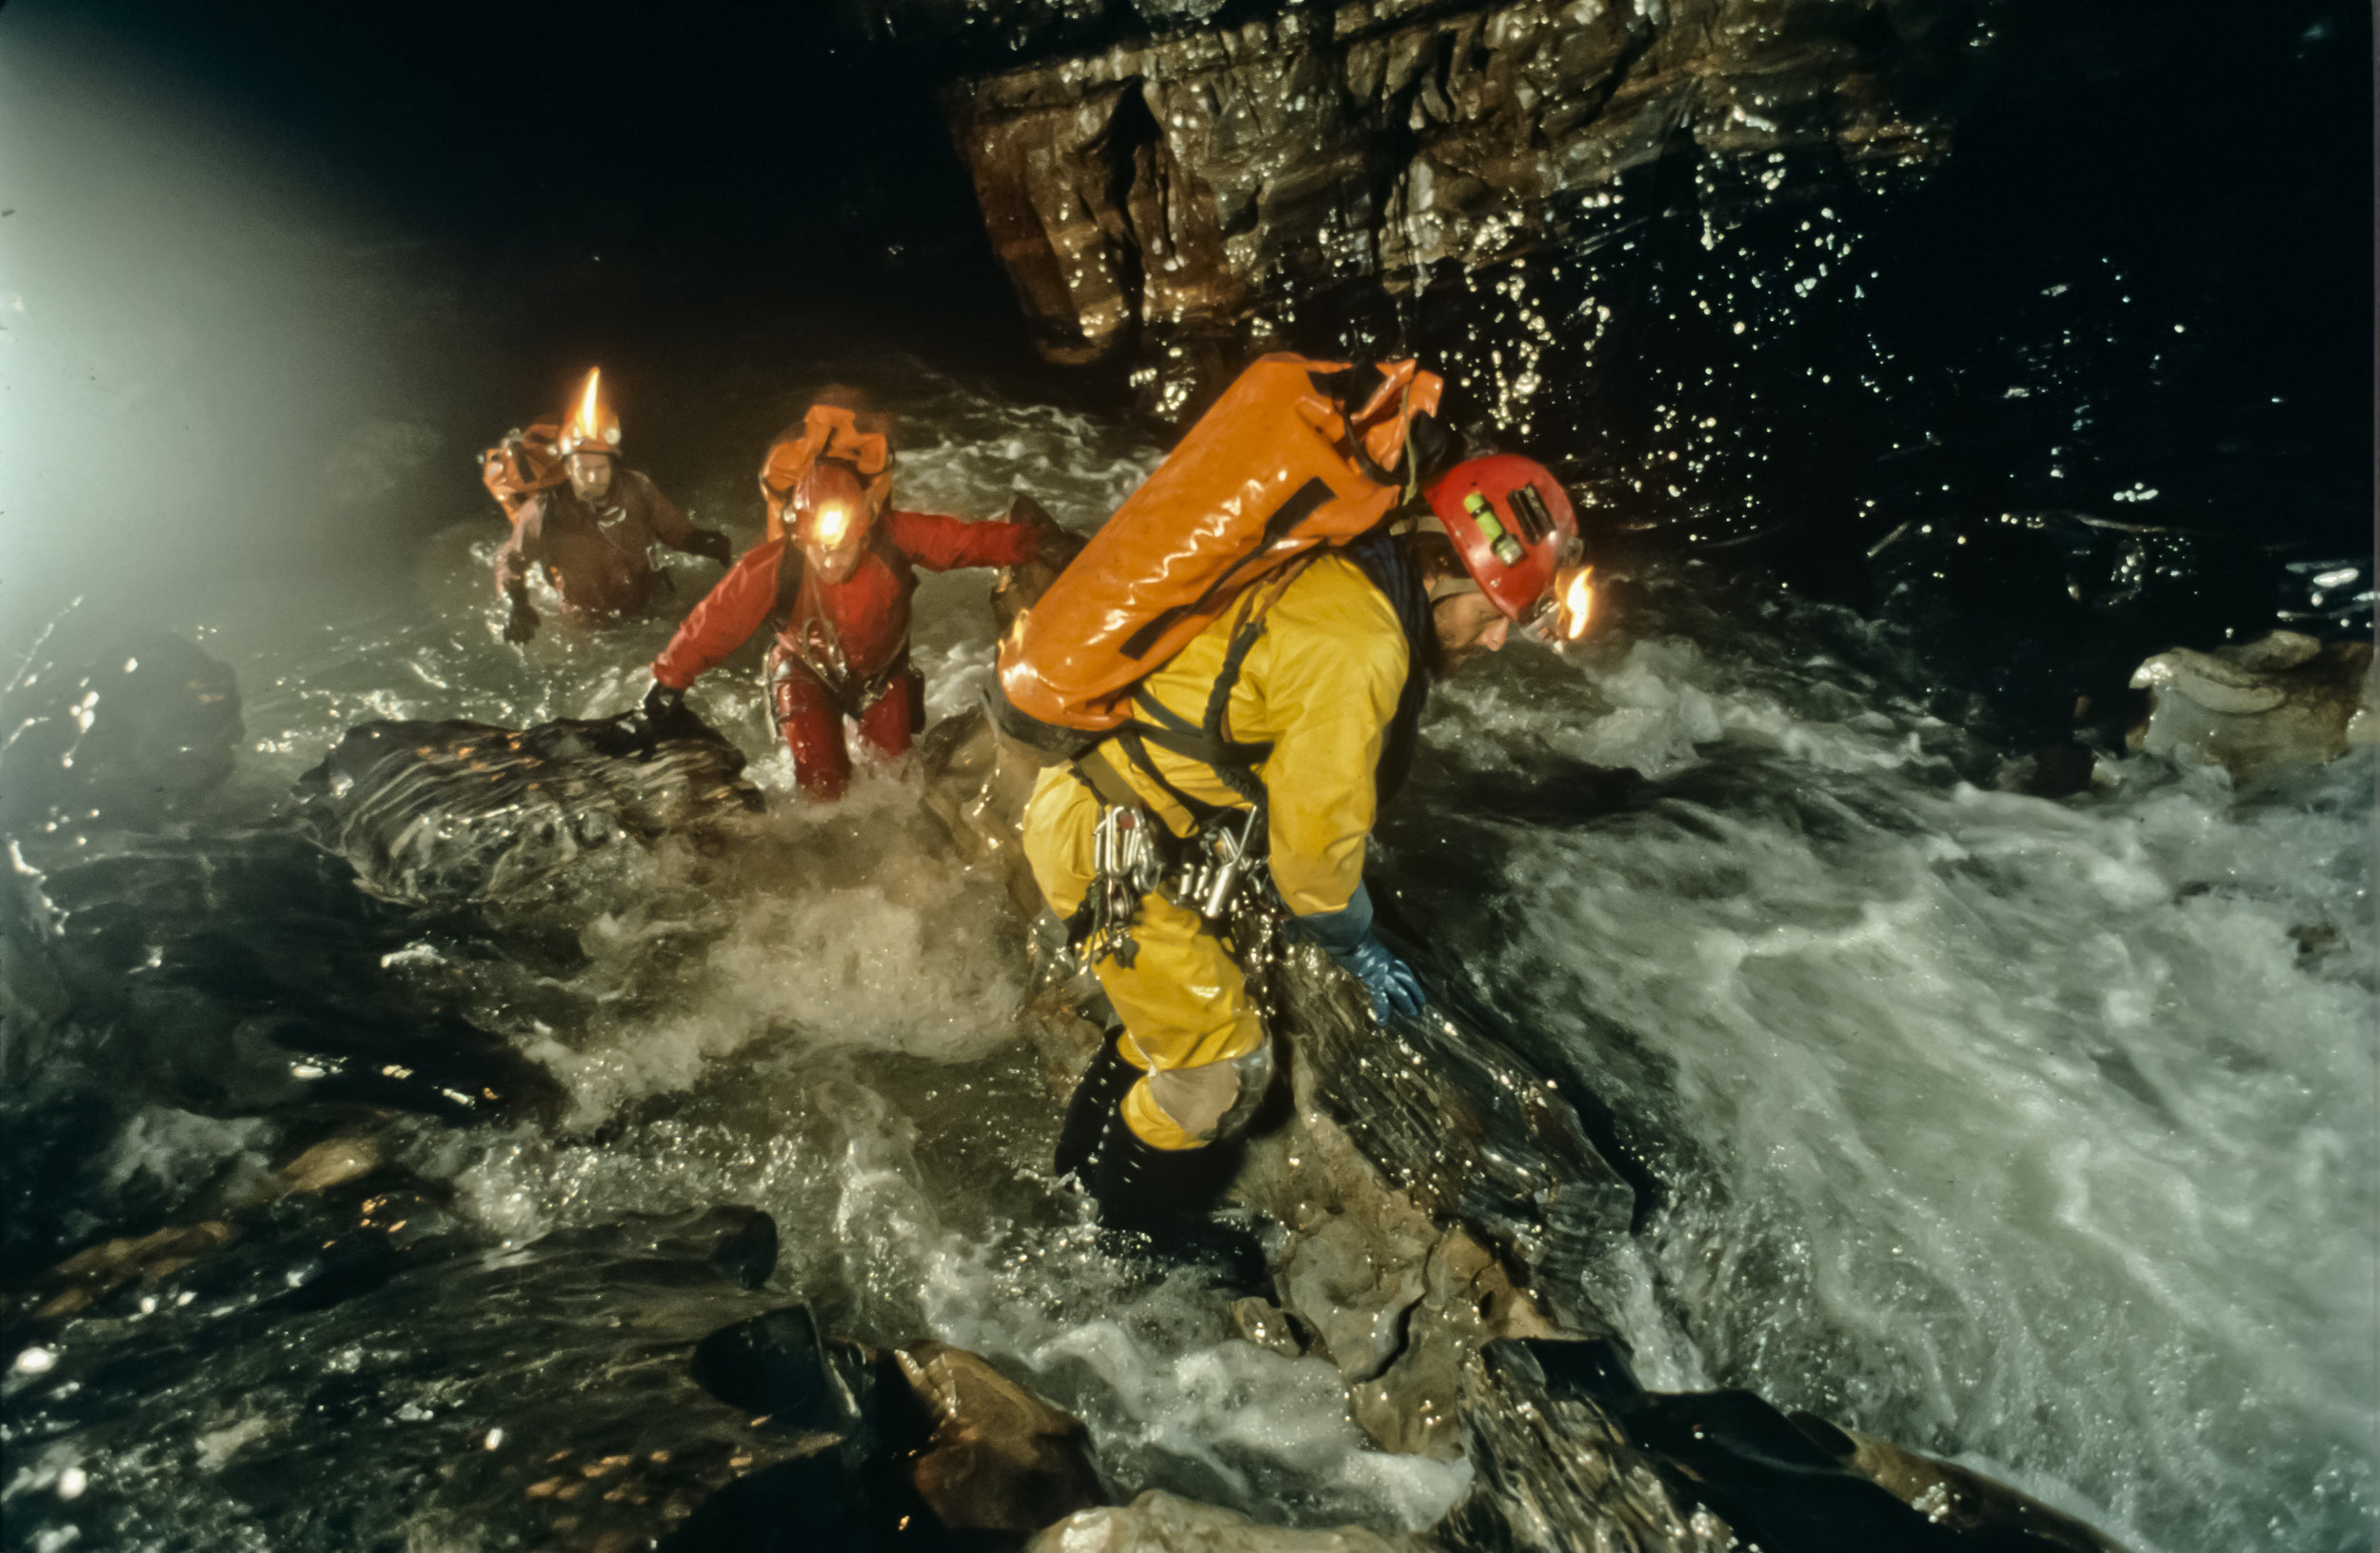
(831, 517)
(1573, 603)
(593, 426)
(1511, 524)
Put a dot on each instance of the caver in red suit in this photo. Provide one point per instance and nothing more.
(835, 584)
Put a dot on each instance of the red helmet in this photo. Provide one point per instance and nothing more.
(592, 428)
(1510, 521)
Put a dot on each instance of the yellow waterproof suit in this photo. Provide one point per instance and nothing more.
(1321, 686)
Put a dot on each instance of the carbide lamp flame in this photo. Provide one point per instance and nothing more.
(590, 425)
(1577, 605)
(833, 521)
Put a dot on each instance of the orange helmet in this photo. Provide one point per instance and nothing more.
(592, 428)
(1510, 521)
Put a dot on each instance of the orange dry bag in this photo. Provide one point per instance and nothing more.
(1296, 454)
(829, 431)
(522, 464)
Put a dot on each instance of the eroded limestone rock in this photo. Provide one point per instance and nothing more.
(1161, 1523)
(442, 812)
(2282, 700)
(1001, 1458)
(1196, 184)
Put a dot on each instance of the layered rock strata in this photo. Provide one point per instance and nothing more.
(1186, 193)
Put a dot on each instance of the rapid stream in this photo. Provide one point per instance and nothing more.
(2034, 1133)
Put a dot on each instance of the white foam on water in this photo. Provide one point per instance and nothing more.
(917, 958)
(170, 1147)
(889, 1249)
(1994, 1124)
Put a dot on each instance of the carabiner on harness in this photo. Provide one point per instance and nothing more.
(1127, 862)
(1222, 860)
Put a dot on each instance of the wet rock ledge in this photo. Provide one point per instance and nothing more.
(1178, 196)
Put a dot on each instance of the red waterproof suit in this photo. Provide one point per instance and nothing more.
(842, 648)
(596, 557)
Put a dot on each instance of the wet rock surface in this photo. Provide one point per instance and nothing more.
(1163, 1523)
(448, 812)
(235, 973)
(1949, 1495)
(1564, 1437)
(2282, 700)
(1000, 1458)
(302, 1353)
(1189, 189)
(647, 1390)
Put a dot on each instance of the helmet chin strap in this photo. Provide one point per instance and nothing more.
(1445, 588)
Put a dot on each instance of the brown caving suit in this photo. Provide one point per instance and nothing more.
(598, 556)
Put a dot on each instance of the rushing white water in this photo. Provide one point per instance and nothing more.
(823, 1024)
(2022, 1131)
(2037, 1131)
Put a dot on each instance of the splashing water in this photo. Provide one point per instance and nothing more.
(2016, 1130)
(2036, 1132)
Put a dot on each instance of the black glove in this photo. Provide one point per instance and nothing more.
(712, 546)
(655, 713)
(522, 623)
(660, 704)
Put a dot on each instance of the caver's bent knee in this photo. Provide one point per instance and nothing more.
(1188, 1022)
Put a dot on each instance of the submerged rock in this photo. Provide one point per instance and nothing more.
(1564, 1439)
(437, 813)
(2282, 700)
(96, 1271)
(1949, 1495)
(1161, 1523)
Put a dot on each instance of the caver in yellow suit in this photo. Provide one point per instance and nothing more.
(1321, 686)
(1278, 728)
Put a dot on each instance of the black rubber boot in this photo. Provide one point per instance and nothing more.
(1096, 1097)
(1160, 1203)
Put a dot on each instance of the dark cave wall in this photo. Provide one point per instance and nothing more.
(1172, 197)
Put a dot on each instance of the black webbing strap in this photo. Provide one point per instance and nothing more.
(1233, 761)
(1106, 783)
(1129, 739)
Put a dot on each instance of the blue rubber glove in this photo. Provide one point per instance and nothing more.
(1346, 937)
